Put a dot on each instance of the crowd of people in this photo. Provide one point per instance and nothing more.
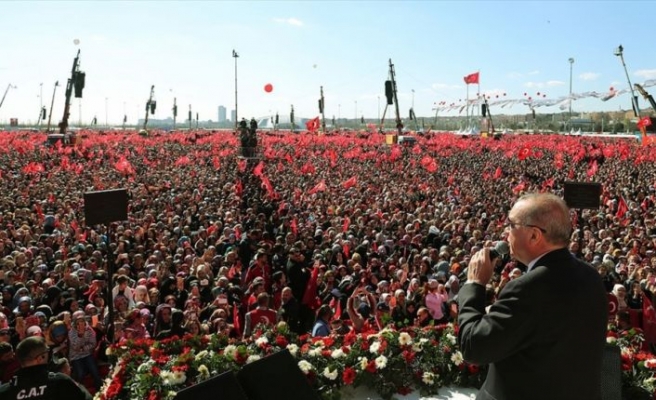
(329, 234)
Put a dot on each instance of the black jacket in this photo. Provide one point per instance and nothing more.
(544, 337)
(36, 383)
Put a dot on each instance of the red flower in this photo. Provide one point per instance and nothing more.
(371, 367)
(473, 369)
(346, 350)
(348, 376)
(153, 395)
(326, 353)
(408, 356)
(281, 341)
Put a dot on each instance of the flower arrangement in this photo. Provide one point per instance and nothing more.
(389, 362)
(638, 364)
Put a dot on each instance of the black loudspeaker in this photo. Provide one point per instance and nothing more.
(189, 115)
(175, 111)
(79, 83)
(153, 106)
(277, 119)
(43, 113)
(276, 377)
(583, 195)
(389, 92)
(320, 106)
(611, 374)
(484, 110)
(224, 387)
(105, 206)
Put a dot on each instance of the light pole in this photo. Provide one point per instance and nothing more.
(52, 103)
(571, 68)
(236, 56)
(10, 86)
(634, 100)
(379, 108)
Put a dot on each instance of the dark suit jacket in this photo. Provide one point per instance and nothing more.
(544, 337)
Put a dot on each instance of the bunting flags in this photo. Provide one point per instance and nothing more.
(472, 78)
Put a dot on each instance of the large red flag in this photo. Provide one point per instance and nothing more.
(310, 295)
(472, 78)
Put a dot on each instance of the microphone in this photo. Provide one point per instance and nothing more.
(500, 250)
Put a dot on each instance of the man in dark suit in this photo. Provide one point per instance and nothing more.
(544, 336)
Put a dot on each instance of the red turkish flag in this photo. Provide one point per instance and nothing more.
(350, 182)
(622, 208)
(472, 78)
(644, 122)
(313, 124)
(320, 187)
(498, 173)
(310, 295)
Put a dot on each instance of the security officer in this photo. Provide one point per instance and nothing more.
(33, 381)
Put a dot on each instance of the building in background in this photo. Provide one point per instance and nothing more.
(233, 115)
(222, 114)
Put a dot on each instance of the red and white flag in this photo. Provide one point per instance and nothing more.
(472, 78)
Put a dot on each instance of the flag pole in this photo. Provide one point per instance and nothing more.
(468, 119)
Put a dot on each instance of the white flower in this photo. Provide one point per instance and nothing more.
(423, 340)
(405, 339)
(428, 378)
(179, 378)
(320, 344)
(651, 363)
(305, 366)
(451, 338)
(293, 349)
(171, 394)
(314, 352)
(416, 347)
(201, 355)
(381, 362)
(457, 358)
(332, 375)
(252, 358)
(261, 340)
(338, 353)
(363, 362)
(611, 339)
(230, 351)
(203, 371)
(375, 346)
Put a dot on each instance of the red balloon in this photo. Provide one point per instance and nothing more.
(268, 88)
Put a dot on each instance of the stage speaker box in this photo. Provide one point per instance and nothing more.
(224, 387)
(276, 377)
(389, 92)
(105, 206)
(611, 374)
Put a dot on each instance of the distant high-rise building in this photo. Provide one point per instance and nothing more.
(233, 115)
(222, 114)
